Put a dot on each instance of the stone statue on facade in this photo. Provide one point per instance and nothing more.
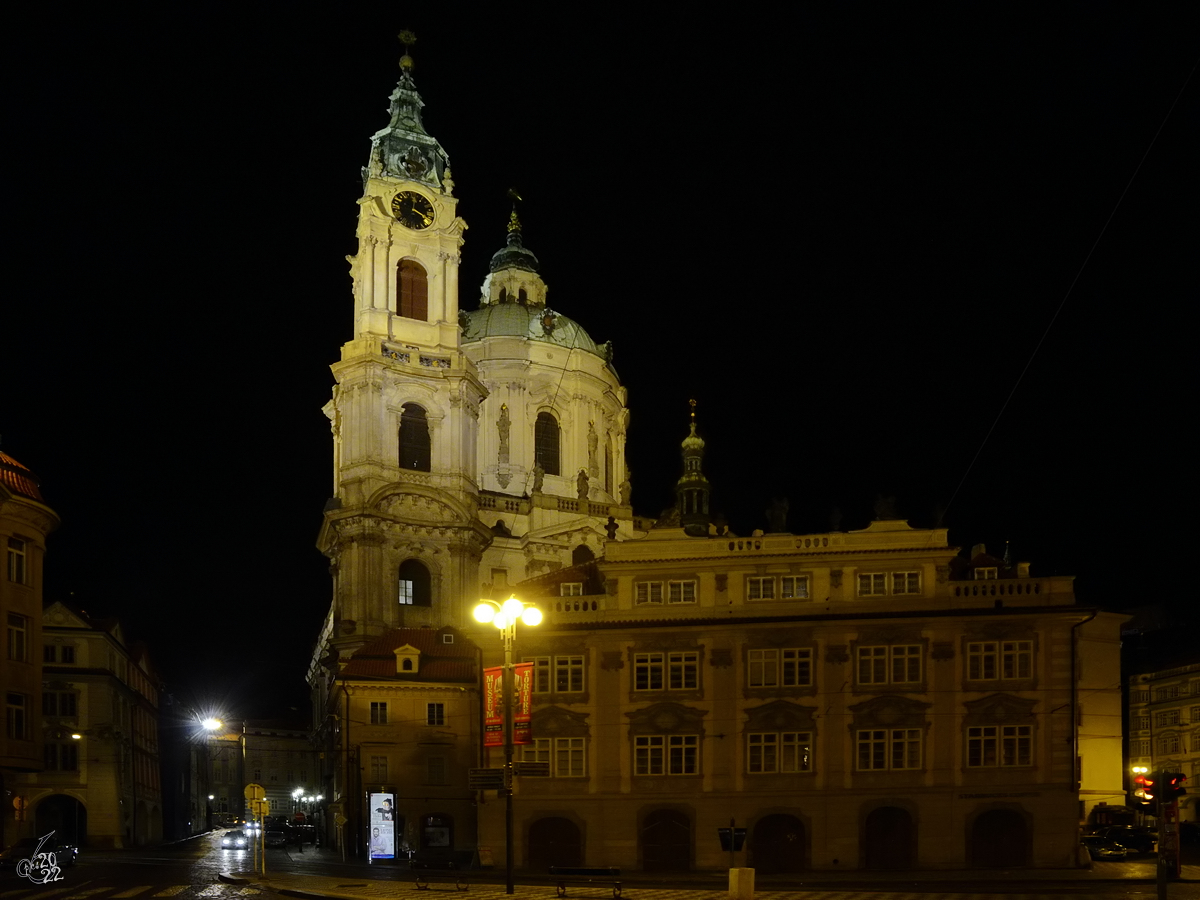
(581, 485)
(539, 474)
(502, 426)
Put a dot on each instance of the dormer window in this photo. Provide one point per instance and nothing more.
(986, 573)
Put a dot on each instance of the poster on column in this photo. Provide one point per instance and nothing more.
(382, 835)
(493, 705)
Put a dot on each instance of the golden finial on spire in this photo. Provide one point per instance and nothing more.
(692, 404)
(514, 223)
(407, 38)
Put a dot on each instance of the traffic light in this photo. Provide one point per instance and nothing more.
(1145, 793)
(1172, 786)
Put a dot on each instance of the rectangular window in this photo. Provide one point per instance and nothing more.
(379, 768)
(568, 674)
(791, 667)
(872, 584)
(18, 638)
(61, 757)
(683, 671)
(15, 711)
(681, 591)
(48, 654)
(999, 745)
(676, 754)
(1140, 723)
(378, 712)
(1166, 717)
(986, 573)
(49, 703)
(899, 664)
(648, 592)
(571, 589)
(17, 569)
(1139, 748)
(435, 714)
(66, 655)
(566, 756)
(889, 748)
(786, 752)
(760, 588)
(794, 587)
(1169, 744)
(991, 660)
(906, 582)
(541, 673)
(405, 592)
(648, 671)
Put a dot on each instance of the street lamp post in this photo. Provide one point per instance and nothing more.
(504, 616)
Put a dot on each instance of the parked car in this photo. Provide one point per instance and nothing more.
(1132, 838)
(64, 854)
(1101, 848)
(275, 838)
(234, 840)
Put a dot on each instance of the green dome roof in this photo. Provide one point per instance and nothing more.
(534, 323)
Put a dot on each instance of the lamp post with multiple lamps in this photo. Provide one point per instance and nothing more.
(505, 616)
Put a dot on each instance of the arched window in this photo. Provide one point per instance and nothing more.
(545, 443)
(415, 446)
(412, 290)
(522, 297)
(415, 587)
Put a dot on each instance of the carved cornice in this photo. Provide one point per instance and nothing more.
(554, 721)
(780, 715)
(889, 711)
(667, 718)
(997, 709)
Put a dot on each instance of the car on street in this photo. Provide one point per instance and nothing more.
(1132, 838)
(64, 854)
(276, 838)
(1101, 848)
(234, 840)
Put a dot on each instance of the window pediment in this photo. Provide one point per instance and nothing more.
(667, 718)
(554, 721)
(890, 634)
(888, 712)
(780, 715)
(998, 708)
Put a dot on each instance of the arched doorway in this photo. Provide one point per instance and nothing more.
(666, 841)
(1000, 839)
(778, 844)
(65, 816)
(889, 839)
(554, 841)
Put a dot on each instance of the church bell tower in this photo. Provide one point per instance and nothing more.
(401, 529)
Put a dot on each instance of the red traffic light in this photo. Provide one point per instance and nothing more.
(1172, 787)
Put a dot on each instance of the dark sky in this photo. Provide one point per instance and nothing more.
(850, 234)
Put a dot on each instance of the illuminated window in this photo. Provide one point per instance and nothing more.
(414, 585)
(900, 664)
(999, 745)
(415, 446)
(571, 589)
(889, 748)
(545, 443)
(412, 290)
(787, 751)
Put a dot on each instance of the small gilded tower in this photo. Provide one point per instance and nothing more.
(692, 489)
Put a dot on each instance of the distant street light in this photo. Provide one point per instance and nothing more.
(504, 616)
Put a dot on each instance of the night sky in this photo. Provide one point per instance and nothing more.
(934, 252)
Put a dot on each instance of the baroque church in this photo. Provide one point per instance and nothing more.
(861, 699)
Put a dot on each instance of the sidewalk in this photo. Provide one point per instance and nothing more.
(307, 875)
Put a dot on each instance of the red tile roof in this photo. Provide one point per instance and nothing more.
(18, 479)
(439, 661)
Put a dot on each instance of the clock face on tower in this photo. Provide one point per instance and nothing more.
(412, 210)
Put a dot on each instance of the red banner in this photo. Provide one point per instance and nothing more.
(493, 705)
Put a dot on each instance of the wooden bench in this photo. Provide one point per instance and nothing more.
(424, 871)
(564, 875)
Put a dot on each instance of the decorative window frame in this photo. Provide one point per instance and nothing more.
(674, 728)
(378, 712)
(894, 721)
(889, 583)
(899, 644)
(666, 591)
(552, 659)
(803, 662)
(999, 635)
(675, 659)
(779, 718)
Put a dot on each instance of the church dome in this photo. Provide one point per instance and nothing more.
(534, 323)
(513, 255)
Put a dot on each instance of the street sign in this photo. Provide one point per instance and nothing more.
(485, 779)
(339, 820)
(537, 769)
(260, 807)
(255, 792)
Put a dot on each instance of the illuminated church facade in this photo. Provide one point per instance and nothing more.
(854, 699)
